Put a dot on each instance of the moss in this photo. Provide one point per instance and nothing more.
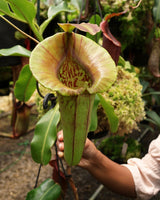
(126, 98)
(112, 147)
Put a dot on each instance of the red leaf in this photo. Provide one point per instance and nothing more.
(58, 176)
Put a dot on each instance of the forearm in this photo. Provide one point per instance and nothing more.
(114, 176)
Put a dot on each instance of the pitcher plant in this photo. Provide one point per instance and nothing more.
(76, 68)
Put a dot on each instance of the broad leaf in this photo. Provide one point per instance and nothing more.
(109, 110)
(4, 9)
(155, 118)
(94, 120)
(24, 10)
(45, 136)
(48, 190)
(156, 11)
(62, 7)
(15, 51)
(34, 1)
(25, 85)
(52, 12)
(77, 4)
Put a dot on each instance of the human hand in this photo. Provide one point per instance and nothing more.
(88, 153)
(60, 144)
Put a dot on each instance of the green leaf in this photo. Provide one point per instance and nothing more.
(48, 190)
(126, 64)
(25, 85)
(45, 136)
(121, 61)
(44, 25)
(155, 118)
(24, 10)
(94, 120)
(52, 12)
(76, 4)
(109, 110)
(4, 9)
(15, 51)
(156, 11)
(34, 1)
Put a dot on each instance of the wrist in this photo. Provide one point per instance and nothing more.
(94, 161)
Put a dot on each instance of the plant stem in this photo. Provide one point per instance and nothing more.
(36, 41)
(137, 5)
(39, 170)
(72, 184)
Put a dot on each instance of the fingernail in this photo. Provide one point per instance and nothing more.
(59, 137)
(60, 154)
(61, 146)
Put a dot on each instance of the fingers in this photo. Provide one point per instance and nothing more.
(60, 154)
(60, 144)
(60, 136)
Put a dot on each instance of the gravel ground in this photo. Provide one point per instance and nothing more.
(18, 173)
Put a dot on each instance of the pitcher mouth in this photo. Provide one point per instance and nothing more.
(70, 64)
(72, 74)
